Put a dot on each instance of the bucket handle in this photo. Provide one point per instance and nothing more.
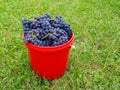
(72, 46)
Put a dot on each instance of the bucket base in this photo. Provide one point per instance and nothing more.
(57, 76)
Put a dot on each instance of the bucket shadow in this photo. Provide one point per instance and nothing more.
(44, 83)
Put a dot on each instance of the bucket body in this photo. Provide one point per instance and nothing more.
(49, 62)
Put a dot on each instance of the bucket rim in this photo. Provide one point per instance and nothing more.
(51, 48)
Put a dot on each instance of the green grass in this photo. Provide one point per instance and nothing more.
(95, 62)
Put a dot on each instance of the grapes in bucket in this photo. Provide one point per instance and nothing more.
(48, 42)
(44, 31)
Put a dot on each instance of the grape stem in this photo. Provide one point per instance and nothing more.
(33, 34)
(45, 36)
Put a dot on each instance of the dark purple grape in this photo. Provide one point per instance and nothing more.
(26, 29)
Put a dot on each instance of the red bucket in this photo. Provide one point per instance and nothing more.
(49, 62)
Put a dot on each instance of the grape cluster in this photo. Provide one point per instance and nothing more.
(44, 31)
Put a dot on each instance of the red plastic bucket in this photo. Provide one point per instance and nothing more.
(49, 62)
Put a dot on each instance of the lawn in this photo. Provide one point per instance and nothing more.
(95, 62)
